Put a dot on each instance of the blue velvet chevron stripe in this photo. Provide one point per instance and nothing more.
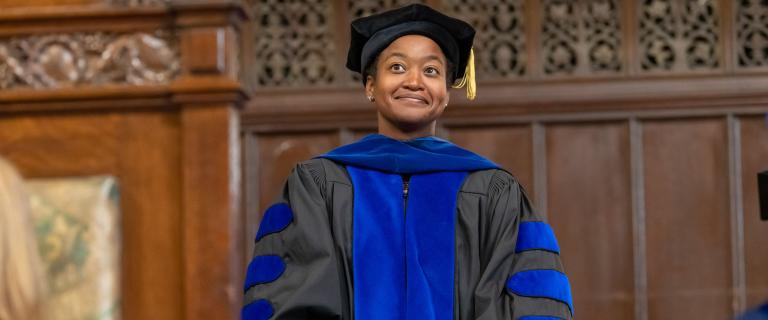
(258, 310)
(535, 235)
(403, 259)
(263, 269)
(275, 219)
(550, 284)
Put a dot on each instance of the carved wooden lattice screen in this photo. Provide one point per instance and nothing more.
(303, 43)
(636, 125)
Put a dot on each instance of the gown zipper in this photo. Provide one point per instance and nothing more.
(405, 192)
(406, 180)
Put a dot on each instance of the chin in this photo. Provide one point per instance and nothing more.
(411, 113)
(413, 117)
(409, 118)
(413, 123)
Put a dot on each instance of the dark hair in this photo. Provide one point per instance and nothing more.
(371, 70)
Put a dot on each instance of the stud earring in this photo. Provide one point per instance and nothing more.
(371, 99)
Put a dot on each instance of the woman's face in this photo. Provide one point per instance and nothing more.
(410, 88)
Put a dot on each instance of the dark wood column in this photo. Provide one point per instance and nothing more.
(210, 96)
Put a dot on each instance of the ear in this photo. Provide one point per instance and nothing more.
(368, 86)
(447, 97)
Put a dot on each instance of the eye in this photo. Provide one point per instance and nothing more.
(397, 68)
(431, 71)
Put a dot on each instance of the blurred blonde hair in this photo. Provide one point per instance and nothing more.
(22, 281)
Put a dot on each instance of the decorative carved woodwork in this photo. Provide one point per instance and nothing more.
(581, 37)
(679, 36)
(499, 42)
(88, 58)
(292, 43)
(752, 34)
(298, 43)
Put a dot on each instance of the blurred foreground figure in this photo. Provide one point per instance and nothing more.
(22, 281)
(760, 313)
(402, 224)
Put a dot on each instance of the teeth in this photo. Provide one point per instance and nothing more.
(413, 99)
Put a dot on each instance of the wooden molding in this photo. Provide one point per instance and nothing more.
(186, 92)
(196, 90)
(97, 17)
(198, 13)
(103, 17)
(203, 50)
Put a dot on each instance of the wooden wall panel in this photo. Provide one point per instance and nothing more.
(61, 145)
(687, 219)
(150, 190)
(589, 208)
(509, 146)
(754, 153)
(279, 154)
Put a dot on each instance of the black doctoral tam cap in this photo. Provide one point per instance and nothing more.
(372, 34)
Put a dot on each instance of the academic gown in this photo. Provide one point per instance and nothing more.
(418, 229)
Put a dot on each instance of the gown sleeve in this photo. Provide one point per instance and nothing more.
(294, 272)
(524, 276)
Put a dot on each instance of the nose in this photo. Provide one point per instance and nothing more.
(413, 81)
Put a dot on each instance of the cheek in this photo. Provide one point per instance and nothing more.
(384, 90)
(440, 94)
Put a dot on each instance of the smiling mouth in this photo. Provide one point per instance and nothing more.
(412, 99)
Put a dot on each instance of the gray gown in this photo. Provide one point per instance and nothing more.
(311, 275)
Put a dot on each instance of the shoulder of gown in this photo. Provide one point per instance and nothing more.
(515, 267)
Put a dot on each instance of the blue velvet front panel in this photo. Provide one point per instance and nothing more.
(378, 250)
(403, 261)
(431, 244)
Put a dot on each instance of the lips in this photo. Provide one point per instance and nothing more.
(412, 98)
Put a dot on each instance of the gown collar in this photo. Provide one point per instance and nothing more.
(420, 155)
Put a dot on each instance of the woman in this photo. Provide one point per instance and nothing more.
(403, 225)
(22, 281)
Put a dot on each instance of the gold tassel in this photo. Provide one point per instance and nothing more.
(469, 77)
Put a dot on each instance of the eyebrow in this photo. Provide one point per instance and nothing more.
(403, 56)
